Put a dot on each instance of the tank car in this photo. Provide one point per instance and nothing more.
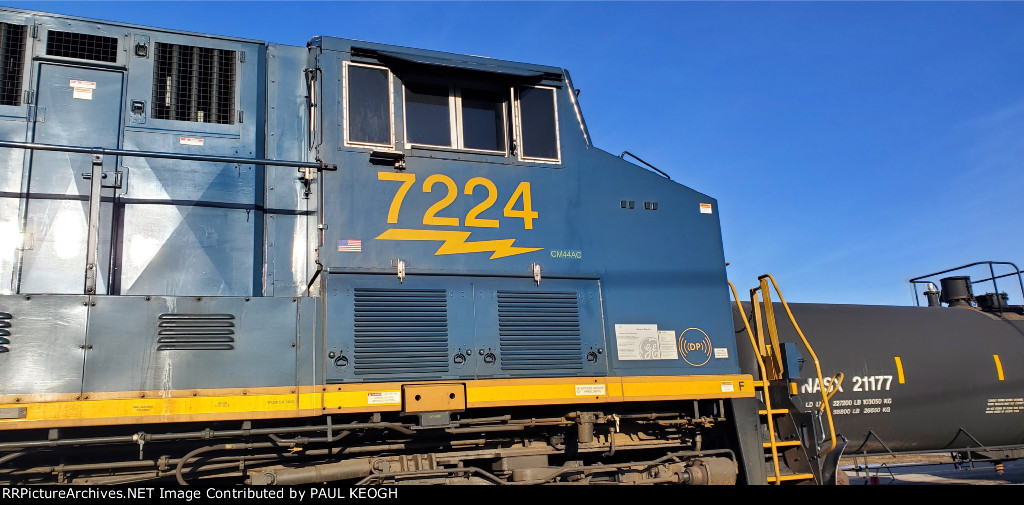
(939, 378)
(226, 260)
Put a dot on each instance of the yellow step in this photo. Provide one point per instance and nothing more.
(787, 443)
(797, 476)
(774, 411)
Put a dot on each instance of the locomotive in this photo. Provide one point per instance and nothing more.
(233, 261)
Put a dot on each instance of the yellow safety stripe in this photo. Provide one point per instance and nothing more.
(267, 403)
(999, 366)
(899, 369)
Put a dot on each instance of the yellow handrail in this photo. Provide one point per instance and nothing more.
(764, 376)
(817, 366)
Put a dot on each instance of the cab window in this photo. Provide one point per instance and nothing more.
(367, 105)
(455, 115)
(538, 120)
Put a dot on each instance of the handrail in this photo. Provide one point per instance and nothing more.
(624, 153)
(1016, 271)
(814, 357)
(157, 154)
(764, 376)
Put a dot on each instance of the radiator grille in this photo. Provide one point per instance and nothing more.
(5, 331)
(81, 46)
(401, 332)
(193, 83)
(196, 332)
(12, 58)
(539, 331)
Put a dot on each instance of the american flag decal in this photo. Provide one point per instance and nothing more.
(350, 246)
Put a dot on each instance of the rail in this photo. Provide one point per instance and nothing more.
(995, 288)
(652, 167)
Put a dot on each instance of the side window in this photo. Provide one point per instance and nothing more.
(538, 124)
(454, 115)
(367, 105)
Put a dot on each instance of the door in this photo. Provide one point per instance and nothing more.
(77, 107)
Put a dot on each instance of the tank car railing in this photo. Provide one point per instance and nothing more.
(96, 186)
(995, 288)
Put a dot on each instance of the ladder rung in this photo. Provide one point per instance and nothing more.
(758, 384)
(774, 411)
(787, 443)
(797, 476)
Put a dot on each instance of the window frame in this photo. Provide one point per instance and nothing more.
(520, 152)
(347, 117)
(455, 122)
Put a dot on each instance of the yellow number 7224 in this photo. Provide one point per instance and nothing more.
(430, 217)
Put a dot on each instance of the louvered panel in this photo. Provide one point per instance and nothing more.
(192, 83)
(5, 331)
(12, 60)
(196, 332)
(539, 331)
(82, 46)
(401, 333)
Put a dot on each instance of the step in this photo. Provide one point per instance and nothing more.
(786, 443)
(774, 411)
(797, 476)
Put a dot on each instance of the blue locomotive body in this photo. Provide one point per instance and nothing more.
(206, 230)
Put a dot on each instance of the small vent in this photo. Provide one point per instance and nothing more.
(81, 46)
(196, 332)
(401, 332)
(540, 332)
(5, 331)
(194, 84)
(12, 58)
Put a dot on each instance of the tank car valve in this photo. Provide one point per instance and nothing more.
(933, 295)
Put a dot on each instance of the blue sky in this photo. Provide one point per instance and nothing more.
(851, 146)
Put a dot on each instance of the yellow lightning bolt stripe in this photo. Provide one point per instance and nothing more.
(455, 242)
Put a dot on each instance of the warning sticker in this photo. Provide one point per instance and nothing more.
(727, 387)
(590, 390)
(1004, 405)
(705, 208)
(721, 352)
(384, 398)
(190, 141)
(644, 342)
(83, 84)
(82, 93)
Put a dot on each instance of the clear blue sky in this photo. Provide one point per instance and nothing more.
(850, 146)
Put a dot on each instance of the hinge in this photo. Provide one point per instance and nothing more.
(29, 97)
(241, 56)
(33, 31)
(241, 116)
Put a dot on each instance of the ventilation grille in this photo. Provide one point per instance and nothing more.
(401, 333)
(12, 58)
(81, 46)
(194, 84)
(5, 331)
(539, 331)
(196, 332)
